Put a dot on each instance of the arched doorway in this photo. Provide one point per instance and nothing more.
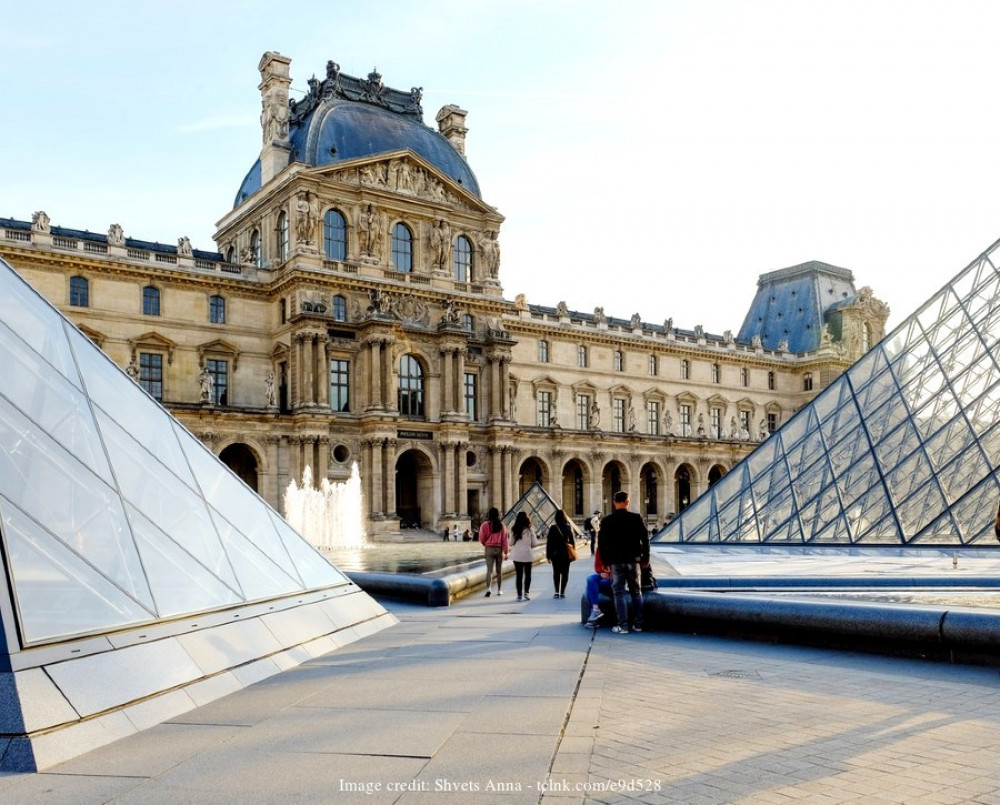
(415, 490)
(572, 489)
(242, 461)
(531, 472)
(715, 474)
(682, 487)
(649, 491)
(612, 480)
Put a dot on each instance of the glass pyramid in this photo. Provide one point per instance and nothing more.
(902, 448)
(112, 514)
(541, 508)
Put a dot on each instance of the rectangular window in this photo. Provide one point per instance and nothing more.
(772, 422)
(217, 310)
(685, 419)
(544, 409)
(582, 411)
(685, 369)
(543, 351)
(770, 381)
(745, 425)
(151, 374)
(618, 415)
(653, 417)
(654, 366)
(471, 397)
(744, 377)
(340, 385)
(619, 364)
(150, 301)
(716, 373)
(219, 370)
(715, 417)
(79, 292)
(581, 356)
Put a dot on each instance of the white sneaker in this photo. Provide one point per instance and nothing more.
(595, 616)
(499, 592)
(527, 597)
(619, 630)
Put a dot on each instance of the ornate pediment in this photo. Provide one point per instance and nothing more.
(405, 173)
(219, 347)
(152, 341)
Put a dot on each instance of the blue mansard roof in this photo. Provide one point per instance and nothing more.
(791, 305)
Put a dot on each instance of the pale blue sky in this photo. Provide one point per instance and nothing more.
(650, 157)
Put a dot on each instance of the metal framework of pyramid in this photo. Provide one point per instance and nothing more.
(901, 449)
(135, 562)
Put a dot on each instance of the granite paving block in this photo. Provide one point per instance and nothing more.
(517, 715)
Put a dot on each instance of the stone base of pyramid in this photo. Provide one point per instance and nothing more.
(59, 701)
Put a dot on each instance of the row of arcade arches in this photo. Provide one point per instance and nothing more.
(658, 493)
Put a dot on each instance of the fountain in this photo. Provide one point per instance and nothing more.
(331, 517)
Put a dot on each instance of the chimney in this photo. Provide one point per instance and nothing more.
(274, 83)
(451, 124)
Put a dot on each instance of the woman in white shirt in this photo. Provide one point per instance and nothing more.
(523, 543)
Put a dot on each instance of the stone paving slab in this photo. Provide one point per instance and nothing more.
(492, 701)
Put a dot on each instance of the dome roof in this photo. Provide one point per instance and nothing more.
(326, 127)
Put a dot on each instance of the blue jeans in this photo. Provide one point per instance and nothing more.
(626, 574)
(595, 581)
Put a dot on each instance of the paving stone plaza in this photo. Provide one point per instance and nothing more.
(496, 701)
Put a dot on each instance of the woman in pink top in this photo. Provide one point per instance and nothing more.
(493, 538)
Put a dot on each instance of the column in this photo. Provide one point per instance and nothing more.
(389, 477)
(323, 372)
(323, 457)
(447, 368)
(504, 368)
(448, 478)
(496, 479)
(388, 398)
(462, 479)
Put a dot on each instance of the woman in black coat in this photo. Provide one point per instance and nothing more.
(555, 551)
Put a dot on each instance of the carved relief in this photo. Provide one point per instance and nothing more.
(40, 222)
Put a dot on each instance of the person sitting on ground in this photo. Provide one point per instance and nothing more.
(599, 580)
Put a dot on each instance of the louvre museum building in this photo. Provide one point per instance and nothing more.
(353, 312)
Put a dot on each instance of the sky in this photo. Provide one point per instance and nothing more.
(649, 156)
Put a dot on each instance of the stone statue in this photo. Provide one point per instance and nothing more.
(40, 222)
(269, 389)
(631, 419)
(305, 218)
(368, 226)
(521, 302)
(727, 336)
(733, 428)
(491, 253)
(116, 235)
(699, 331)
(184, 247)
(553, 416)
(132, 370)
(599, 316)
(207, 384)
(668, 424)
(783, 345)
(635, 321)
(441, 244)
(450, 314)
(762, 433)
(756, 342)
(594, 418)
(701, 426)
(561, 309)
(247, 256)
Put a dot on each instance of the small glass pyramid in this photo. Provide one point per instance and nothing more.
(112, 514)
(902, 448)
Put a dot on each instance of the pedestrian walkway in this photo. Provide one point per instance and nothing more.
(495, 701)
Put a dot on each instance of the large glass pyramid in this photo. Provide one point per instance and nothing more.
(112, 515)
(902, 448)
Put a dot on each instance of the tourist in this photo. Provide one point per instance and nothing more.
(445, 533)
(556, 551)
(493, 538)
(467, 536)
(592, 525)
(522, 545)
(624, 544)
(599, 580)
(454, 533)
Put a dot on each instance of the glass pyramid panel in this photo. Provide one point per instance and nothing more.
(111, 514)
(903, 447)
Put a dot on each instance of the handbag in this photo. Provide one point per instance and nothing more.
(571, 551)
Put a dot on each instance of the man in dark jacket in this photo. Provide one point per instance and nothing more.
(624, 546)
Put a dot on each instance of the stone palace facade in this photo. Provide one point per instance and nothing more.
(353, 312)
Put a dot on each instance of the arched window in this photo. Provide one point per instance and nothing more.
(334, 235)
(150, 301)
(463, 259)
(654, 366)
(807, 381)
(79, 292)
(411, 387)
(255, 248)
(339, 308)
(469, 322)
(231, 255)
(282, 236)
(866, 337)
(618, 361)
(685, 369)
(217, 310)
(402, 248)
